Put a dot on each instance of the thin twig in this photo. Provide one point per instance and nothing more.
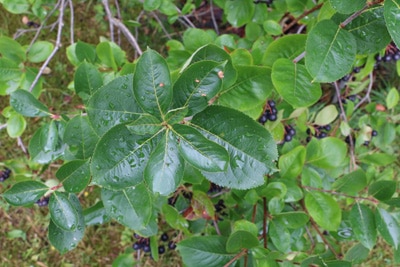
(213, 18)
(71, 30)
(306, 13)
(56, 47)
(366, 97)
(110, 17)
(120, 17)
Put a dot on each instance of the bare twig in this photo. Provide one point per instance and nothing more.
(71, 8)
(366, 97)
(110, 17)
(213, 17)
(56, 47)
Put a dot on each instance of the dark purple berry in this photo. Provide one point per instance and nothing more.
(374, 133)
(164, 237)
(161, 249)
(171, 245)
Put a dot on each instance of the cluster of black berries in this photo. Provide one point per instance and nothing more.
(289, 133)
(5, 174)
(320, 132)
(270, 113)
(42, 202)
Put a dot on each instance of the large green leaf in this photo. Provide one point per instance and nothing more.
(87, 80)
(164, 170)
(279, 235)
(199, 151)
(113, 104)
(11, 49)
(26, 104)
(388, 227)
(120, 158)
(392, 18)
(131, 207)
(329, 152)
(239, 12)
(40, 51)
(62, 211)
(351, 183)
(74, 175)
(63, 240)
(204, 251)
(251, 148)
(152, 83)
(80, 137)
(293, 83)
(363, 223)
(347, 7)
(330, 52)
(324, 210)
(197, 85)
(25, 193)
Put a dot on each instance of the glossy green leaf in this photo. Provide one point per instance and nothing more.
(62, 211)
(392, 18)
(388, 227)
(9, 70)
(26, 104)
(194, 38)
(239, 12)
(25, 193)
(74, 175)
(204, 251)
(120, 158)
(241, 239)
(80, 137)
(347, 7)
(292, 220)
(131, 207)
(16, 125)
(329, 152)
(87, 80)
(113, 104)
(96, 214)
(63, 240)
(363, 223)
(145, 124)
(152, 83)
(150, 5)
(279, 235)
(324, 210)
(40, 51)
(197, 85)
(16, 54)
(253, 86)
(351, 183)
(252, 150)
(392, 98)
(164, 170)
(326, 116)
(291, 163)
(382, 190)
(330, 52)
(85, 52)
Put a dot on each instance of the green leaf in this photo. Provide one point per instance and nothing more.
(145, 124)
(241, 239)
(152, 83)
(105, 54)
(16, 6)
(388, 227)
(347, 7)
(62, 211)
(26, 104)
(292, 219)
(120, 158)
(252, 150)
(40, 51)
(85, 52)
(239, 12)
(131, 207)
(279, 235)
(87, 80)
(113, 104)
(392, 18)
(16, 125)
(329, 152)
(204, 251)
(197, 85)
(25, 193)
(363, 223)
(74, 175)
(330, 52)
(63, 240)
(164, 170)
(291, 163)
(199, 151)
(382, 190)
(96, 214)
(351, 183)
(16, 54)
(324, 210)
(392, 98)
(326, 116)
(293, 83)
(194, 38)
(9, 70)
(150, 5)
(80, 137)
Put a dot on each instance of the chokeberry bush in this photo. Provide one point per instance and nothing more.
(266, 134)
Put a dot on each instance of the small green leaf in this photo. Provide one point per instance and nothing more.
(152, 83)
(199, 151)
(145, 124)
(239, 13)
(382, 190)
(87, 80)
(363, 223)
(279, 235)
(16, 125)
(25, 193)
(291, 163)
(392, 18)
(351, 183)
(74, 175)
(347, 7)
(26, 104)
(324, 210)
(62, 212)
(241, 239)
(40, 51)
(96, 214)
(326, 116)
(392, 99)
(204, 251)
(388, 227)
